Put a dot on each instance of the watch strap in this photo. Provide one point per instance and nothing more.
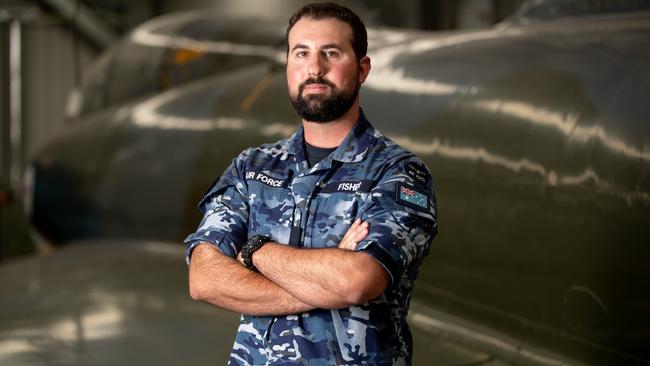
(252, 245)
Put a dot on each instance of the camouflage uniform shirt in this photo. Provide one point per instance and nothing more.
(271, 190)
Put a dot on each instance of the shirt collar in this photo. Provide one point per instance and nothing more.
(353, 148)
(356, 143)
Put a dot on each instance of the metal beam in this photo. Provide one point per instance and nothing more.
(15, 17)
(84, 20)
(15, 102)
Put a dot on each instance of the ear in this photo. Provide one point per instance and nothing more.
(364, 68)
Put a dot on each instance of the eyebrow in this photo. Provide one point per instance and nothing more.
(299, 46)
(332, 45)
(325, 46)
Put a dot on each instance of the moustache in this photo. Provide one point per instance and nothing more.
(316, 80)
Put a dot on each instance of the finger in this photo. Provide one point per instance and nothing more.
(352, 229)
(357, 232)
(347, 246)
(355, 224)
(361, 232)
(348, 243)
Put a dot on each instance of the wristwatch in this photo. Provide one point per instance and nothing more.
(252, 245)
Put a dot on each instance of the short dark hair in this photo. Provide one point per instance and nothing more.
(319, 11)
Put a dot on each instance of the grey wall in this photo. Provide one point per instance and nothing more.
(50, 54)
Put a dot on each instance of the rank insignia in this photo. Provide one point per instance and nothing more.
(417, 172)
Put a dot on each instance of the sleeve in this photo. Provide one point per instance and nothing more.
(225, 213)
(402, 216)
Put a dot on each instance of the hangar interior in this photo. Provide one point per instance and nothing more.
(535, 123)
(46, 46)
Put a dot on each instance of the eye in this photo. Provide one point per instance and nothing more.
(301, 54)
(331, 53)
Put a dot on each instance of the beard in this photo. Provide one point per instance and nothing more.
(322, 108)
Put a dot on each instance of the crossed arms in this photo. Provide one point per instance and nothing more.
(291, 280)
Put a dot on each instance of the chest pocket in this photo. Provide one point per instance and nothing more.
(271, 210)
(333, 210)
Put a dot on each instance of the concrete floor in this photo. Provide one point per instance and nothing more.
(126, 303)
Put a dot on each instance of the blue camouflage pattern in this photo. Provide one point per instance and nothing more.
(269, 189)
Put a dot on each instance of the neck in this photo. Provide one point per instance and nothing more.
(331, 134)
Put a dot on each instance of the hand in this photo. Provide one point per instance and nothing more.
(357, 232)
(240, 259)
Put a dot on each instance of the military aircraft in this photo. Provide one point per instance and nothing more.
(535, 131)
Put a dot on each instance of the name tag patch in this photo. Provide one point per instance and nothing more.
(351, 186)
(266, 179)
(412, 197)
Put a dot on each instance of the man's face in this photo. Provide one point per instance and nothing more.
(323, 74)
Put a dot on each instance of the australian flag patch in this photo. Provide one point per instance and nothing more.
(412, 197)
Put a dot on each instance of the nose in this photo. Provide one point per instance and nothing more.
(316, 66)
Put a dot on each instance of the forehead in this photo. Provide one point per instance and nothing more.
(315, 32)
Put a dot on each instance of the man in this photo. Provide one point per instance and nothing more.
(317, 239)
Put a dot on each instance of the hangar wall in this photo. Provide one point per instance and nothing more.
(53, 60)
